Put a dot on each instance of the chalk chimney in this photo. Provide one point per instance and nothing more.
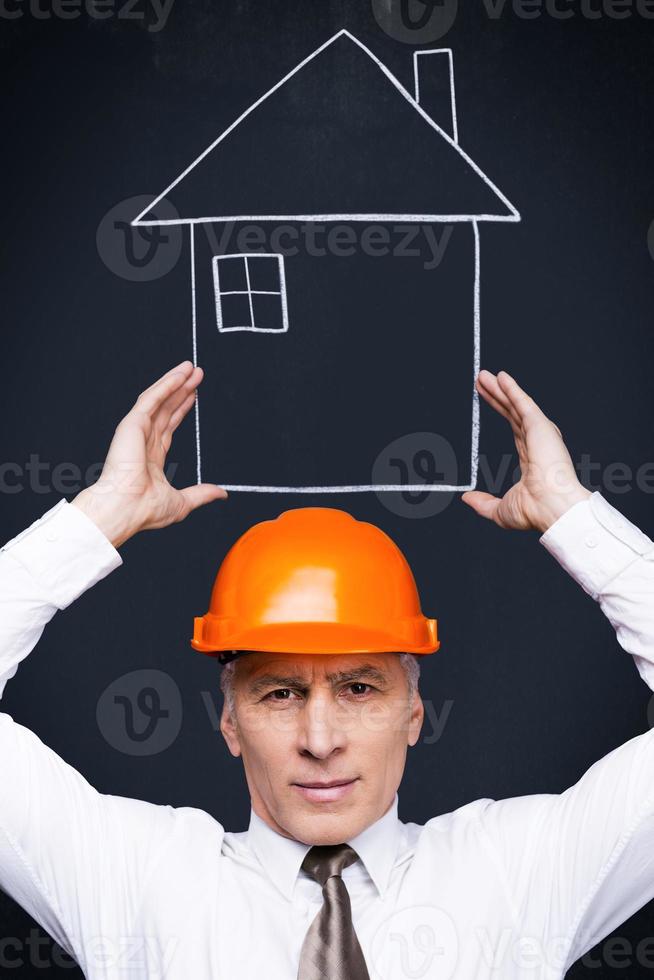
(433, 72)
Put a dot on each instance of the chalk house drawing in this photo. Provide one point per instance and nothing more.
(316, 358)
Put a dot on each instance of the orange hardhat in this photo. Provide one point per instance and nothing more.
(314, 580)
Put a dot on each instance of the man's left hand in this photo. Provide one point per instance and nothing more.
(548, 484)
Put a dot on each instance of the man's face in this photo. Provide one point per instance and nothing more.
(308, 718)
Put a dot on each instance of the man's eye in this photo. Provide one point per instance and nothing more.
(287, 690)
(279, 690)
(361, 684)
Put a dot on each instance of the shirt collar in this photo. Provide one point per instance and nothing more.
(282, 857)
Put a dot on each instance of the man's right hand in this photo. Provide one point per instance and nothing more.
(132, 493)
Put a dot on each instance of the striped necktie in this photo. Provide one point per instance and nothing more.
(331, 950)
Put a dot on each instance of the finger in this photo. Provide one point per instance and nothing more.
(490, 389)
(528, 405)
(519, 399)
(484, 503)
(487, 384)
(166, 411)
(515, 424)
(166, 437)
(180, 412)
(154, 396)
(183, 366)
(494, 402)
(202, 493)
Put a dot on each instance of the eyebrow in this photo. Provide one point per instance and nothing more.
(336, 677)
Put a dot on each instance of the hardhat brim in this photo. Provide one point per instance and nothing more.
(417, 635)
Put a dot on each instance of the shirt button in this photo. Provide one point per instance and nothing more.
(51, 535)
(590, 540)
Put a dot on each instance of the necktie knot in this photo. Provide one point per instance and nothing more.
(323, 861)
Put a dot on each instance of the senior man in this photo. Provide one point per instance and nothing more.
(326, 883)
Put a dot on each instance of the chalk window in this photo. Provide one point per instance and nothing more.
(250, 292)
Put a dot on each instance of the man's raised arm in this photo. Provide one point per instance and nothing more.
(579, 863)
(59, 837)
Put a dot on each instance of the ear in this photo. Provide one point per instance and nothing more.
(416, 719)
(229, 731)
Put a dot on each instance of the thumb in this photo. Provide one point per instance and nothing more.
(202, 493)
(484, 503)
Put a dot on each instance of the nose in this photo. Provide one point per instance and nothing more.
(321, 730)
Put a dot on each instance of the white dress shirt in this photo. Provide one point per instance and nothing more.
(511, 888)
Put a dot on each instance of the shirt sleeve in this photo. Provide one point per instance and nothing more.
(60, 839)
(578, 864)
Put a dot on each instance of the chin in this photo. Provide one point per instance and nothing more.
(326, 827)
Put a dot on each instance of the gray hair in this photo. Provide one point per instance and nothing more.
(410, 664)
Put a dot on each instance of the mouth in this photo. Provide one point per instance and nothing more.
(326, 792)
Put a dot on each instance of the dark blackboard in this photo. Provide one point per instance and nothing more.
(362, 377)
